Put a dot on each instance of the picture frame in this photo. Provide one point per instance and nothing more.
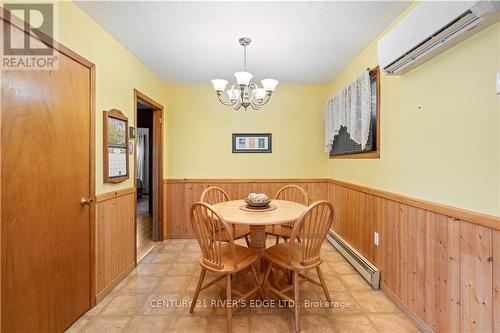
(116, 146)
(131, 148)
(252, 143)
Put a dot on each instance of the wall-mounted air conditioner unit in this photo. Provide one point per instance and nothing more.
(431, 28)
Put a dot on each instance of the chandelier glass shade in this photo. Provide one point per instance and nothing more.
(244, 93)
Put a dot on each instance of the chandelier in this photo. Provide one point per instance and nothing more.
(244, 93)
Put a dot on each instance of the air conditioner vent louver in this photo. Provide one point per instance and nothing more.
(433, 27)
(462, 24)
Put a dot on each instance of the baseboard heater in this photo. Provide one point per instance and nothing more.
(369, 272)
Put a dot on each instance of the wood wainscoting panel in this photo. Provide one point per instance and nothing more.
(115, 237)
(454, 273)
(443, 269)
(360, 209)
(441, 263)
(482, 319)
(180, 194)
(496, 280)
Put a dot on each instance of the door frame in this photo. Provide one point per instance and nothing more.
(157, 140)
(8, 18)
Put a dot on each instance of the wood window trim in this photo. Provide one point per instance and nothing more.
(370, 154)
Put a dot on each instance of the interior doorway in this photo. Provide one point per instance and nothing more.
(148, 172)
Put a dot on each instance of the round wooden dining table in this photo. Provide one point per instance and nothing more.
(286, 211)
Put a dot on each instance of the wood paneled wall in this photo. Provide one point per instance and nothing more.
(444, 269)
(441, 263)
(180, 194)
(115, 238)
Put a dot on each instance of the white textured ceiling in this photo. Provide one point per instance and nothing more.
(194, 42)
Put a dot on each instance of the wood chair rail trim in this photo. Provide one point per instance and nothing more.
(487, 220)
(114, 194)
(243, 180)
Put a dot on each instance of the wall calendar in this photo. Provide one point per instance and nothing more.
(116, 148)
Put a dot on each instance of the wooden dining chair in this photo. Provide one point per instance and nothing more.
(290, 193)
(311, 228)
(213, 195)
(221, 255)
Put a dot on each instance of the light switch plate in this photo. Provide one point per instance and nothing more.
(376, 238)
(498, 82)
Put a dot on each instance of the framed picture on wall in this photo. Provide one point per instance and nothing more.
(252, 142)
(116, 147)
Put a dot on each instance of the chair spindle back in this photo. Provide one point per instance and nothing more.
(212, 233)
(213, 195)
(292, 193)
(311, 229)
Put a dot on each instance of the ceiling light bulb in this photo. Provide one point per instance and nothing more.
(232, 94)
(260, 94)
(269, 84)
(219, 84)
(243, 78)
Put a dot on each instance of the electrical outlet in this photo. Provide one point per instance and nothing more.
(376, 238)
(498, 82)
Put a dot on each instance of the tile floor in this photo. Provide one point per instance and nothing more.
(151, 300)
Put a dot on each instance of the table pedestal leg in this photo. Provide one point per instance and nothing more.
(258, 242)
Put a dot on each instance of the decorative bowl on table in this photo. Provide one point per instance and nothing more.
(257, 200)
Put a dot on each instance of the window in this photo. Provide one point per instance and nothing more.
(344, 147)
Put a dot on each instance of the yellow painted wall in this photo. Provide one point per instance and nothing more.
(447, 152)
(197, 127)
(199, 134)
(118, 72)
(498, 101)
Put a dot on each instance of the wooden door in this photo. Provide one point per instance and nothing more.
(46, 168)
